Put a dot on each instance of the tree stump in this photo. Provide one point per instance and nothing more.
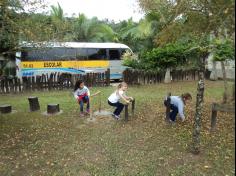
(53, 108)
(34, 104)
(4, 109)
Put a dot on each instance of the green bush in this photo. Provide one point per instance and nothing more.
(9, 71)
(174, 55)
(223, 50)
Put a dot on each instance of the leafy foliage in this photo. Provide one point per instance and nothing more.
(223, 50)
(191, 17)
(174, 55)
(90, 30)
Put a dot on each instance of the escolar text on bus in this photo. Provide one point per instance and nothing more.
(52, 64)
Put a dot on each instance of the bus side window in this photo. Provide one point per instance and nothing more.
(97, 54)
(114, 54)
(122, 52)
(81, 54)
(70, 54)
(55, 54)
(24, 55)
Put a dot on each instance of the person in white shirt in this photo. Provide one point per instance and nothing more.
(177, 104)
(81, 94)
(114, 99)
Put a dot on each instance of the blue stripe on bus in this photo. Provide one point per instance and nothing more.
(29, 72)
(116, 76)
(55, 69)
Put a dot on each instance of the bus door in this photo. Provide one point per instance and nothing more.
(115, 64)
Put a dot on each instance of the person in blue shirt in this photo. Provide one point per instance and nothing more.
(177, 104)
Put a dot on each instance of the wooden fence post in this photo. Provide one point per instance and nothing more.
(133, 107)
(126, 112)
(213, 117)
(168, 107)
(108, 77)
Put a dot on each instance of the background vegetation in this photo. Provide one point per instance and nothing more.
(172, 33)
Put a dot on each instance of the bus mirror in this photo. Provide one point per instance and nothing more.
(18, 54)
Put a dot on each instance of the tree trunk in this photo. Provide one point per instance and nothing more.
(198, 115)
(233, 93)
(167, 76)
(225, 96)
(213, 75)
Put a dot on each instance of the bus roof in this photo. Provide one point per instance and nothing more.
(75, 45)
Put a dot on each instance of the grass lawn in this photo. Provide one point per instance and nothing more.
(67, 144)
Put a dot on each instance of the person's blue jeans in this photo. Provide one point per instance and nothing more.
(119, 107)
(81, 103)
(174, 111)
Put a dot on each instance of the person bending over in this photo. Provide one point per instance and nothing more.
(177, 104)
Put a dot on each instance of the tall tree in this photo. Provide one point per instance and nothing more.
(223, 51)
(60, 24)
(12, 23)
(197, 17)
(90, 30)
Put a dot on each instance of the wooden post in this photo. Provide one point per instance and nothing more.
(100, 103)
(2, 85)
(11, 86)
(19, 84)
(213, 117)
(7, 85)
(91, 112)
(33, 83)
(133, 107)
(4, 109)
(108, 77)
(168, 107)
(34, 104)
(126, 112)
(90, 108)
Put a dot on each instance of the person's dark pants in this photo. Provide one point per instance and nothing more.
(174, 111)
(85, 99)
(119, 107)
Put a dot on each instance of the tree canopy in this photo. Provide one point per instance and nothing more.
(191, 17)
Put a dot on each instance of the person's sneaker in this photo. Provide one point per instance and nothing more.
(113, 115)
(117, 117)
(171, 122)
(87, 112)
(82, 114)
